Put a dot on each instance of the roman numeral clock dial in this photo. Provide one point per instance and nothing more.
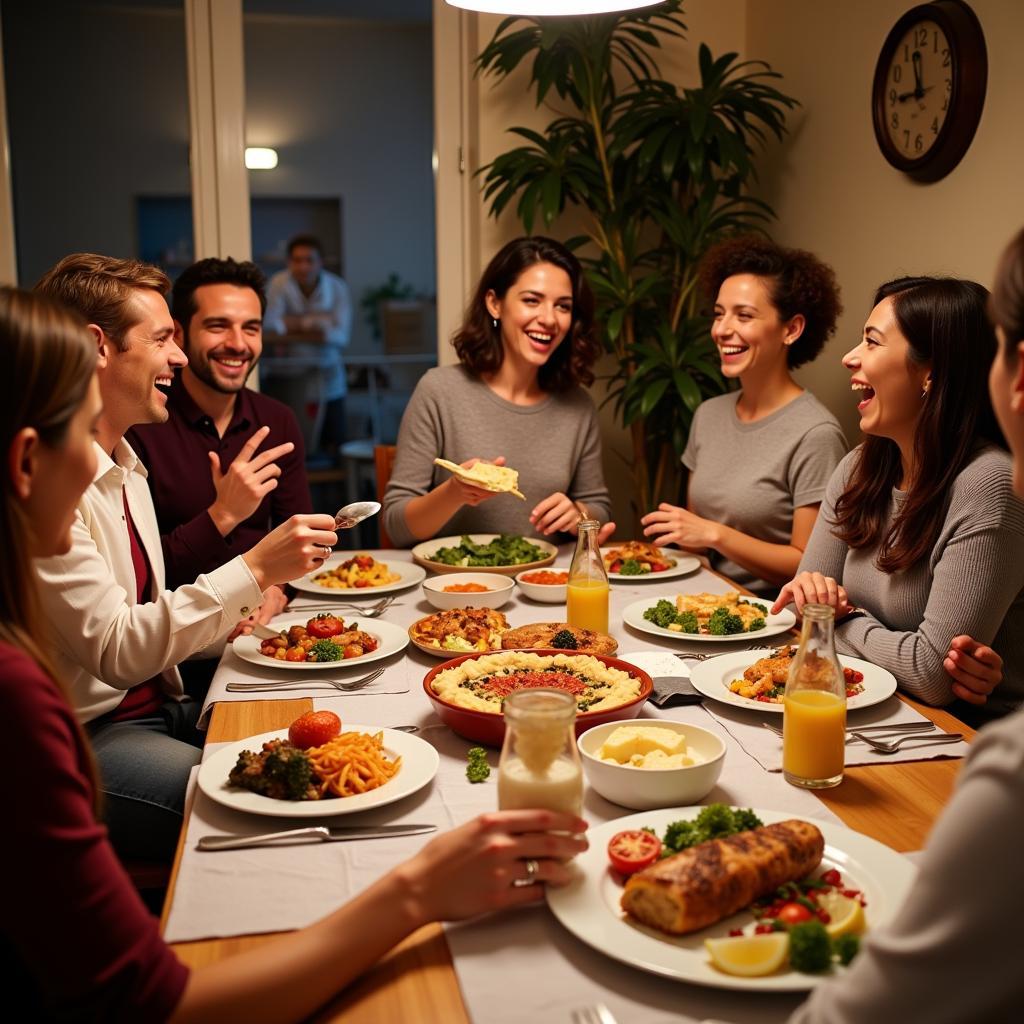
(929, 88)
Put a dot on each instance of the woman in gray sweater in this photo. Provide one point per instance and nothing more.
(920, 537)
(527, 350)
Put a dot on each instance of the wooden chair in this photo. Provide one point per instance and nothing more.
(384, 463)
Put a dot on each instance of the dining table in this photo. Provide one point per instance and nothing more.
(522, 964)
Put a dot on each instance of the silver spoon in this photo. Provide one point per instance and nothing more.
(352, 515)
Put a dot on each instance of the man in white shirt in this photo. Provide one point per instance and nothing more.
(118, 634)
(311, 308)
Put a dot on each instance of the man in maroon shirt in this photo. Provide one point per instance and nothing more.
(228, 465)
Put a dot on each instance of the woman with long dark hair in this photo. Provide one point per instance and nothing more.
(77, 940)
(526, 349)
(920, 537)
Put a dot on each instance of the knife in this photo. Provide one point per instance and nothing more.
(319, 832)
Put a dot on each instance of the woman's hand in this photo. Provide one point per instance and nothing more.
(471, 870)
(468, 494)
(558, 513)
(813, 588)
(670, 524)
(976, 669)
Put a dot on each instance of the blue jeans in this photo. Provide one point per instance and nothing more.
(144, 766)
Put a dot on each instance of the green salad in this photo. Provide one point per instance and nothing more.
(503, 550)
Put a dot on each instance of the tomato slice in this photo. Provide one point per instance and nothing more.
(633, 850)
(793, 913)
(325, 626)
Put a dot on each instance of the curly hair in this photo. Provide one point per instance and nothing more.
(478, 341)
(797, 282)
(213, 271)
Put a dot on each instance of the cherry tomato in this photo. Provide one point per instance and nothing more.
(832, 877)
(659, 566)
(360, 584)
(295, 654)
(314, 729)
(793, 913)
(325, 626)
(615, 566)
(633, 850)
(364, 561)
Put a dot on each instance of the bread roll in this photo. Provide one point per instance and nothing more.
(712, 880)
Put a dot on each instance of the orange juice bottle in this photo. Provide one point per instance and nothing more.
(587, 592)
(814, 706)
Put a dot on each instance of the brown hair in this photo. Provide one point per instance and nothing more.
(478, 341)
(101, 289)
(796, 280)
(945, 324)
(1006, 304)
(49, 360)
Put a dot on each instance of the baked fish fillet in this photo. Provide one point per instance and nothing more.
(712, 880)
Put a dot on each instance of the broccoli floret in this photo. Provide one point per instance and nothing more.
(662, 614)
(715, 821)
(564, 640)
(631, 567)
(810, 950)
(688, 622)
(745, 820)
(478, 770)
(290, 769)
(679, 835)
(755, 625)
(325, 650)
(724, 623)
(846, 947)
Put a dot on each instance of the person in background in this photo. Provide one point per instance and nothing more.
(526, 349)
(759, 458)
(79, 944)
(229, 464)
(312, 307)
(116, 634)
(920, 536)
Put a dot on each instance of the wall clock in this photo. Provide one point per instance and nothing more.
(929, 88)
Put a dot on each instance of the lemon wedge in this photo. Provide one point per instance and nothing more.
(847, 915)
(749, 956)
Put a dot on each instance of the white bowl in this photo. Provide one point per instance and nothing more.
(498, 593)
(549, 593)
(647, 788)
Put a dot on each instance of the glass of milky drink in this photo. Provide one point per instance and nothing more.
(540, 765)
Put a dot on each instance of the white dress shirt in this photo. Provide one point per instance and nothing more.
(105, 642)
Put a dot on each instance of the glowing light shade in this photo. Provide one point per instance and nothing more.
(259, 159)
(552, 7)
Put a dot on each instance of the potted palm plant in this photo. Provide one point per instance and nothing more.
(659, 173)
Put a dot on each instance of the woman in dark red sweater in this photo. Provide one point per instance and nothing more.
(79, 943)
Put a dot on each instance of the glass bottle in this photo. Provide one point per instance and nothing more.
(540, 765)
(814, 706)
(587, 593)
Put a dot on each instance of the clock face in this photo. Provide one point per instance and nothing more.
(919, 86)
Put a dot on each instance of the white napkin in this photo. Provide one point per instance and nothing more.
(766, 748)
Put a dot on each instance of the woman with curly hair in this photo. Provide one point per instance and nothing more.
(759, 458)
(527, 350)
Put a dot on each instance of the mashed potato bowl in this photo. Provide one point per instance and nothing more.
(646, 788)
(487, 726)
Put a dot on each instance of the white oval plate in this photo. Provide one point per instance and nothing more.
(589, 905)
(633, 615)
(684, 564)
(422, 553)
(410, 575)
(392, 640)
(712, 678)
(419, 766)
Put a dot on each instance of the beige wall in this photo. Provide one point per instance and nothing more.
(835, 194)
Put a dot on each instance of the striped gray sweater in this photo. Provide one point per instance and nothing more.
(972, 582)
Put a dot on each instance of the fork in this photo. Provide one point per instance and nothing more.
(713, 654)
(911, 727)
(891, 746)
(369, 611)
(597, 1013)
(343, 685)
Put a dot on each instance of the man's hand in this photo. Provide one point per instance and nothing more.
(248, 480)
(275, 601)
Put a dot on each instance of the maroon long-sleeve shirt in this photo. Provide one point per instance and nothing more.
(78, 943)
(176, 455)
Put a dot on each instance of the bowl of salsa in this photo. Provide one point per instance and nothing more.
(545, 585)
(467, 590)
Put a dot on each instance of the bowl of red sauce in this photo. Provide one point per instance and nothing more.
(468, 590)
(546, 585)
(569, 674)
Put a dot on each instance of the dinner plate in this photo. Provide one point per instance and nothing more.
(712, 678)
(684, 564)
(409, 575)
(589, 905)
(421, 555)
(392, 640)
(633, 615)
(419, 766)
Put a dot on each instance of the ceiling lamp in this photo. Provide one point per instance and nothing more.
(552, 7)
(258, 158)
